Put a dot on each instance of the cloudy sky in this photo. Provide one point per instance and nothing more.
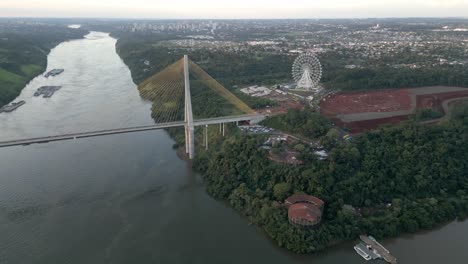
(234, 8)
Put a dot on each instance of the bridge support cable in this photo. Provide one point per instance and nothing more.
(160, 109)
(167, 97)
(172, 72)
(165, 90)
(158, 97)
(170, 103)
(178, 98)
(158, 90)
(211, 83)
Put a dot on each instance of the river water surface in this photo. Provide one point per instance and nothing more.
(129, 198)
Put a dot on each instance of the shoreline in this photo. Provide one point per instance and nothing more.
(322, 248)
(43, 68)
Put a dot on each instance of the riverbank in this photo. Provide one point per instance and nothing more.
(23, 55)
(129, 198)
(116, 199)
(375, 184)
(239, 173)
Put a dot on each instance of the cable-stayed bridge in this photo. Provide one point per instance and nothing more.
(170, 93)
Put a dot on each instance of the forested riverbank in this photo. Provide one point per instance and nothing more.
(399, 179)
(23, 54)
(395, 180)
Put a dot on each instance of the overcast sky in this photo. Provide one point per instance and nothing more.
(234, 8)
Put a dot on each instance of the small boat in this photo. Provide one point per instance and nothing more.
(362, 253)
(12, 107)
(54, 72)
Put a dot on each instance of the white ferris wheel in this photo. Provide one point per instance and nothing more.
(307, 72)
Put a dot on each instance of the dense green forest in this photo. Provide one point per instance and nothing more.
(398, 179)
(23, 55)
(394, 180)
(388, 77)
(306, 123)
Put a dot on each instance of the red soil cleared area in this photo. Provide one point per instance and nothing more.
(365, 125)
(398, 102)
(362, 102)
(435, 101)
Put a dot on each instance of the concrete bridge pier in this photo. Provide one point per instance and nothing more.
(191, 141)
(206, 137)
(186, 140)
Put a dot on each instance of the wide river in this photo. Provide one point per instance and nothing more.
(129, 198)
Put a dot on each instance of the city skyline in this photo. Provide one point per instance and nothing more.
(242, 9)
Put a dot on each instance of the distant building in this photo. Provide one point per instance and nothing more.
(275, 140)
(351, 66)
(321, 154)
(295, 51)
(288, 86)
(256, 91)
(304, 210)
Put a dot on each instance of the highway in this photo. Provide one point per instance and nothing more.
(72, 136)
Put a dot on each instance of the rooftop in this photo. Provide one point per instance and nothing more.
(297, 198)
(304, 210)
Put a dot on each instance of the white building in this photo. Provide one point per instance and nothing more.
(256, 91)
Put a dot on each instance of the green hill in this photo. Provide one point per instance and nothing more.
(23, 54)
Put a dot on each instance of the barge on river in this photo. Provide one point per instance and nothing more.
(54, 72)
(47, 91)
(12, 107)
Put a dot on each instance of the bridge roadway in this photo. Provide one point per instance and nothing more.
(200, 122)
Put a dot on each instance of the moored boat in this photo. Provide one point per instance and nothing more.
(54, 72)
(12, 107)
(361, 252)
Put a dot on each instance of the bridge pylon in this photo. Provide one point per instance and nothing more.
(188, 116)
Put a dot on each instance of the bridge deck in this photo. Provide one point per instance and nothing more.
(200, 122)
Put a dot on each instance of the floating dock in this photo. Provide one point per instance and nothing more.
(12, 107)
(54, 72)
(47, 91)
(374, 246)
(366, 252)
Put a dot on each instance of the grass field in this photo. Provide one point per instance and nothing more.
(17, 69)
(23, 54)
(9, 77)
(12, 83)
(31, 69)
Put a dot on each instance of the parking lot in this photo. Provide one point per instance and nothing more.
(256, 129)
